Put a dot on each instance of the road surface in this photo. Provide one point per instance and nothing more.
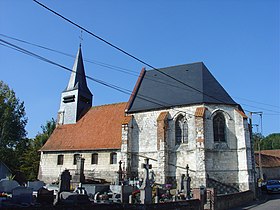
(269, 202)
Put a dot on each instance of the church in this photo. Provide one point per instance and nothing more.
(176, 116)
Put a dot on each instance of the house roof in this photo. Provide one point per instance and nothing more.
(269, 158)
(99, 128)
(155, 90)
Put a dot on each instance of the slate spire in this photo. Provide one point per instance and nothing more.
(78, 77)
(76, 99)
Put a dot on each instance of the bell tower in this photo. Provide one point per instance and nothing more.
(76, 99)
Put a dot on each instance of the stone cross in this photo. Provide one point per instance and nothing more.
(187, 184)
(145, 189)
(146, 166)
(119, 176)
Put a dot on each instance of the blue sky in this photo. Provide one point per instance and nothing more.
(238, 40)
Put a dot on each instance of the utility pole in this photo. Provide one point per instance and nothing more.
(260, 177)
(258, 142)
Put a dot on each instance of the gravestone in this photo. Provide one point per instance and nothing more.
(8, 185)
(181, 185)
(123, 190)
(22, 195)
(36, 185)
(64, 181)
(70, 198)
(92, 189)
(157, 195)
(45, 196)
(146, 189)
(64, 184)
(80, 190)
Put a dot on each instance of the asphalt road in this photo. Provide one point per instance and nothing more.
(268, 202)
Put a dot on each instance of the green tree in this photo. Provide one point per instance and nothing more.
(31, 158)
(12, 126)
(270, 142)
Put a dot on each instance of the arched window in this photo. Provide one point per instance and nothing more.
(75, 158)
(181, 130)
(113, 158)
(219, 127)
(60, 159)
(94, 158)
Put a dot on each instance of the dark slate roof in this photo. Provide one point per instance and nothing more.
(157, 91)
(78, 77)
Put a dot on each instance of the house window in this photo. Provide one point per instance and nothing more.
(113, 158)
(60, 159)
(75, 158)
(219, 127)
(181, 130)
(94, 158)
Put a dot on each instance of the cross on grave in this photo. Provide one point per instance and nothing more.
(187, 184)
(119, 177)
(146, 166)
(146, 189)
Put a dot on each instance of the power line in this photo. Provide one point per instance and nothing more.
(126, 71)
(130, 55)
(96, 62)
(123, 51)
(257, 102)
(115, 87)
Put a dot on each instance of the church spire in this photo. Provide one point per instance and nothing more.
(78, 77)
(76, 99)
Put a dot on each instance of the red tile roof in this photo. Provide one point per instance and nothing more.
(269, 158)
(99, 128)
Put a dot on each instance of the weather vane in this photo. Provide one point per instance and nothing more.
(81, 38)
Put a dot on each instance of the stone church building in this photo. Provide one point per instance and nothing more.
(176, 116)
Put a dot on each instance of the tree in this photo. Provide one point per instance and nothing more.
(272, 141)
(31, 158)
(12, 126)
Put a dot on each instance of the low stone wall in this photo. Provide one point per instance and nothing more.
(179, 205)
(233, 200)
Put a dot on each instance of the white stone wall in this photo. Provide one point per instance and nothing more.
(49, 170)
(144, 142)
(67, 113)
(227, 162)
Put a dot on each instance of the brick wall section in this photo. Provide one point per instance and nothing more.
(162, 125)
(200, 146)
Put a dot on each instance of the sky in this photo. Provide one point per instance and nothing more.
(238, 41)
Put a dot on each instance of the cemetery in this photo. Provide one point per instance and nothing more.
(72, 192)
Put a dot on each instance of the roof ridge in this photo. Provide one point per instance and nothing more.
(186, 64)
(103, 105)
